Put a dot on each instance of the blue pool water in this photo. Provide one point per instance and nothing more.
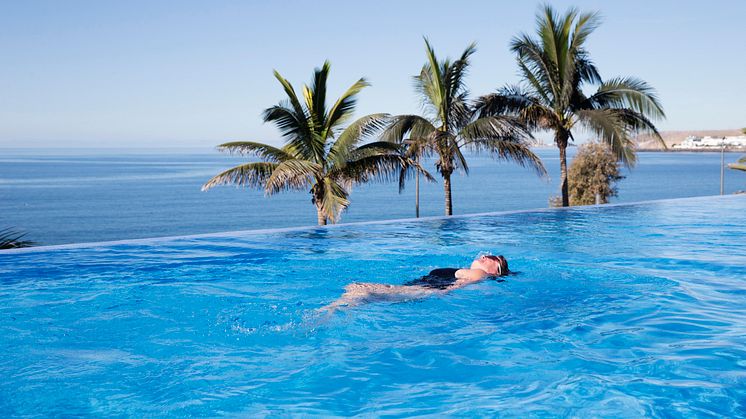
(618, 311)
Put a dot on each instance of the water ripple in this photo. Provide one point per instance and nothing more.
(623, 312)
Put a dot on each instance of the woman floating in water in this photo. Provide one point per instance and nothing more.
(438, 281)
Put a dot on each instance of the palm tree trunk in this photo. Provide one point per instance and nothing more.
(320, 216)
(317, 194)
(447, 188)
(561, 140)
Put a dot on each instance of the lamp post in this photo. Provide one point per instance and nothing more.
(417, 196)
(722, 165)
(414, 152)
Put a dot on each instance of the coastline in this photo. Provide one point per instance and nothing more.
(690, 150)
(671, 138)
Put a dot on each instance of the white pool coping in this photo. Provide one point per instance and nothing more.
(241, 233)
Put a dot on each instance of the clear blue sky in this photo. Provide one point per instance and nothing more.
(197, 73)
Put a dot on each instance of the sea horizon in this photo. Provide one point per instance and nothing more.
(214, 148)
(103, 194)
(260, 231)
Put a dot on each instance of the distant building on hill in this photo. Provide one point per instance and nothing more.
(695, 142)
(672, 138)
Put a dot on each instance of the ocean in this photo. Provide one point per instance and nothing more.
(74, 196)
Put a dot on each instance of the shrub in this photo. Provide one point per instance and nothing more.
(594, 170)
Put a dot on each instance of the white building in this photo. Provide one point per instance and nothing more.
(712, 142)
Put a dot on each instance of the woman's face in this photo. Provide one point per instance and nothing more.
(486, 264)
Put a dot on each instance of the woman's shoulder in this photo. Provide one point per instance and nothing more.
(471, 274)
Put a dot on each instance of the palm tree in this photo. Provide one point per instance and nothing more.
(318, 154)
(449, 126)
(555, 68)
(11, 239)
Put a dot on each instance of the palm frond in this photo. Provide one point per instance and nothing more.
(503, 137)
(313, 118)
(293, 175)
(250, 174)
(290, 123)
(536, 68)
(12, 239)
(586, 71)
(412, 167)
(628, 92)
(333, 200)
(373, 149)
(458, 156)
(417, 148)
(363, 128)
(565, 59)
(297, 109)
(573, 67)
(516, 152)
(377, 168)
(318, 93)
(343, 107)
(500, 126)
(455, 73)
(294, 127)
(639, 123)
(430, 82)
(586, 24)
(614, 127)
(447, 148)
(555, 64)
(263, 151)
(402, 126)
(515, 101)
(377, 147)
(546, 30)
(302, 127)
(507, 100)
(459, 113)
(535, 80)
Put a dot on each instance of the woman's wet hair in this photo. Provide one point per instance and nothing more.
(502, 263)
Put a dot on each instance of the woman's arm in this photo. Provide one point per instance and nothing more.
(465, 277)
(471, 274)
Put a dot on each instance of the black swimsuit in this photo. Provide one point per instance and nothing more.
(440, 278)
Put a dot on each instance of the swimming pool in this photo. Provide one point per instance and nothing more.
(622, 310)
